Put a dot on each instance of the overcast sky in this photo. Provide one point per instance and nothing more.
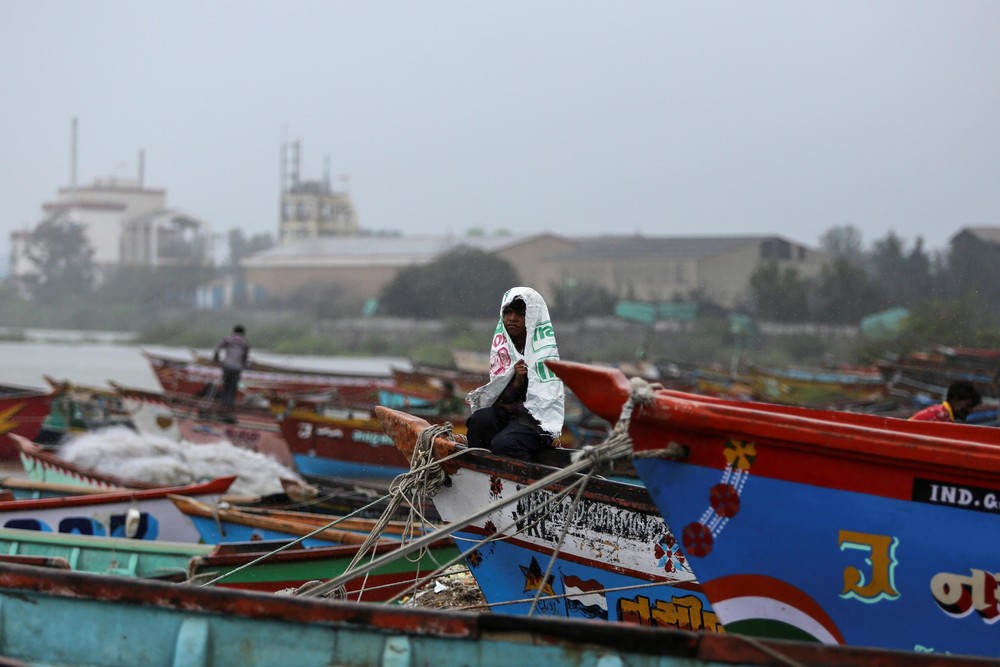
(575, 117)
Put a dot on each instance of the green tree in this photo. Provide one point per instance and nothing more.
(781, 296)
(958, 322)
(573, 301)
(240, 246)
(148, 289)
(844, 293)
(64, 260)
(973, 265)
(902, 278)
(842, 241)
(465, 282)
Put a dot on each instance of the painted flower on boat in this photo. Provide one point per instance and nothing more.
(698, 540)
(740, 454)
(496, 487)
(474, 558)
(668, 554)
(724, 499)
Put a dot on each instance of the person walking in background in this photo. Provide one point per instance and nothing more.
(232, 353)
(520, 412)
(962, 397)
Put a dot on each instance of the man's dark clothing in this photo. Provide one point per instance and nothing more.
(232, 353)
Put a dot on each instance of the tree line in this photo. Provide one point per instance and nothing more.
(948, 293)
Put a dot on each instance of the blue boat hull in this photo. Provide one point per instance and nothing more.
(323, 467)
(509, 572)
(837, 566)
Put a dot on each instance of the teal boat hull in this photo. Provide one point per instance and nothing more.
(68, 619)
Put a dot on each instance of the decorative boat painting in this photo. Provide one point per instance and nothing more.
(602, 554)
(841, 532)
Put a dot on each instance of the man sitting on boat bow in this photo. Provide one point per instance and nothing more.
(520, 412)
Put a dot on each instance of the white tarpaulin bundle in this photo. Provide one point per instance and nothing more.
(546, 393)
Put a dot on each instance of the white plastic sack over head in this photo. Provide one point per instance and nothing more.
(546, 392)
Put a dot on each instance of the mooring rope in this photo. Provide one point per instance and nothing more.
(424, 479)
(589, 460)
(501, 533)
(287, 545)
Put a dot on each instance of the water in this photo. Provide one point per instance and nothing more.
(93, 363)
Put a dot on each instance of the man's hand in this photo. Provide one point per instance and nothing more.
(520, 374)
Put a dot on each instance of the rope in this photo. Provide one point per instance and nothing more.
(426, 478)
(559, 543)
(500, 533)
(561, 596)
(288, 545)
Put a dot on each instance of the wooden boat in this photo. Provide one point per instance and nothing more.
(53, 471)
(617, 560)
(328, 446)
(146, 514)
(22, 412)
(181, 417)
(119, 556)
(218, 525)
(43, 466)
(259, 566)
(69, 619)
(356, 497)
(244, 565)
(913, 375)
(815, 386)
(337, 447)
(834, 527)
(430, 380)
(22, 488)
(199, 376)
(78, 408)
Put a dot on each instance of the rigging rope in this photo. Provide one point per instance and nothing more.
(426, 478)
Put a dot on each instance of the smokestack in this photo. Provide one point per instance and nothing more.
(72, 156)
(142, 169)
(296, 161)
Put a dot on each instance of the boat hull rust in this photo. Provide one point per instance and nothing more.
(823, 525)
(132, 622)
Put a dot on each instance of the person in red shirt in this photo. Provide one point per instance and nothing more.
(962, 397)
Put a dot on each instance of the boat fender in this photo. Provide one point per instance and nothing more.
(132, 522)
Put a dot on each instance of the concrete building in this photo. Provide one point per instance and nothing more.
(363, 265)
(658, 269)
(630, 267)
(102, 209)
(124, 223)
(311, 209)
(165, 237)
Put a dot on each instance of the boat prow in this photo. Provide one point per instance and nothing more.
(405, 429)
(602, 389)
